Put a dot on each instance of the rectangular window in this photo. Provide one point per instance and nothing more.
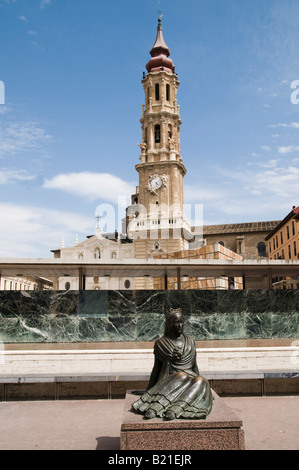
(274, 246)
(282, 254)
(270, 246)
(293, 227)
(295, 249)
(157, 92)
(281, 237)
(288, 231)
(290, 253)
(276, 241)
(167, 92)
(157, 134)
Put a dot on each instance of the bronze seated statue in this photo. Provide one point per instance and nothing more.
(175, 389)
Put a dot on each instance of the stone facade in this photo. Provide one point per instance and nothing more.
(96, 247)
(24, 283)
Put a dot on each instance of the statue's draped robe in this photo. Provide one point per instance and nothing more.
(175, 384)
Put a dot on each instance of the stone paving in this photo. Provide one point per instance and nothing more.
(270, 423)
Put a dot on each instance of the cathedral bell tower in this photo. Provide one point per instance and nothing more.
(155, 219)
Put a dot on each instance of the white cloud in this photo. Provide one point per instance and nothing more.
(281, 182)
(294, 125)
(28, 231)
(7, 176)
(288, 149)
(92, 186)
(21, 137)
(250, 192)
(269, 164)
(32, 33)
(23, 18)
(44, 3)
(266, 147)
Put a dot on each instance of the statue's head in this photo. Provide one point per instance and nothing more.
(174, 322)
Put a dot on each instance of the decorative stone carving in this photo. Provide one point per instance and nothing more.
(156, 249)
(143, 147)
(152, 188)
(171, 144)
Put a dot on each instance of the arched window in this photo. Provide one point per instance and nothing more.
(67, 286)
(221, 243)
(157, 91)
(157, 134)
(261, 249)
(167, 92)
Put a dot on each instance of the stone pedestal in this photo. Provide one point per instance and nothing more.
(221, 430)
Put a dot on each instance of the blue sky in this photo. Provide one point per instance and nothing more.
(69, 127)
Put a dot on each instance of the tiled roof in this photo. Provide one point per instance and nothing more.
(240, 228)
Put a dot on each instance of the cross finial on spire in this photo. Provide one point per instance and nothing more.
(159, 12)
(160, 52)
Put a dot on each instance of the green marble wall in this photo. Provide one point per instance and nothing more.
(100, 316)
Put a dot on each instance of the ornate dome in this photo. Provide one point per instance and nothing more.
(160, 54)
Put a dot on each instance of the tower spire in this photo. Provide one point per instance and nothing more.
(160, 53)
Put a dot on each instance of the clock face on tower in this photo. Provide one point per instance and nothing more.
(156, 183)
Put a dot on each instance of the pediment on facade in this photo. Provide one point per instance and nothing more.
(95, 241)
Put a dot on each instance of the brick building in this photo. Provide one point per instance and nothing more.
(283, 243)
